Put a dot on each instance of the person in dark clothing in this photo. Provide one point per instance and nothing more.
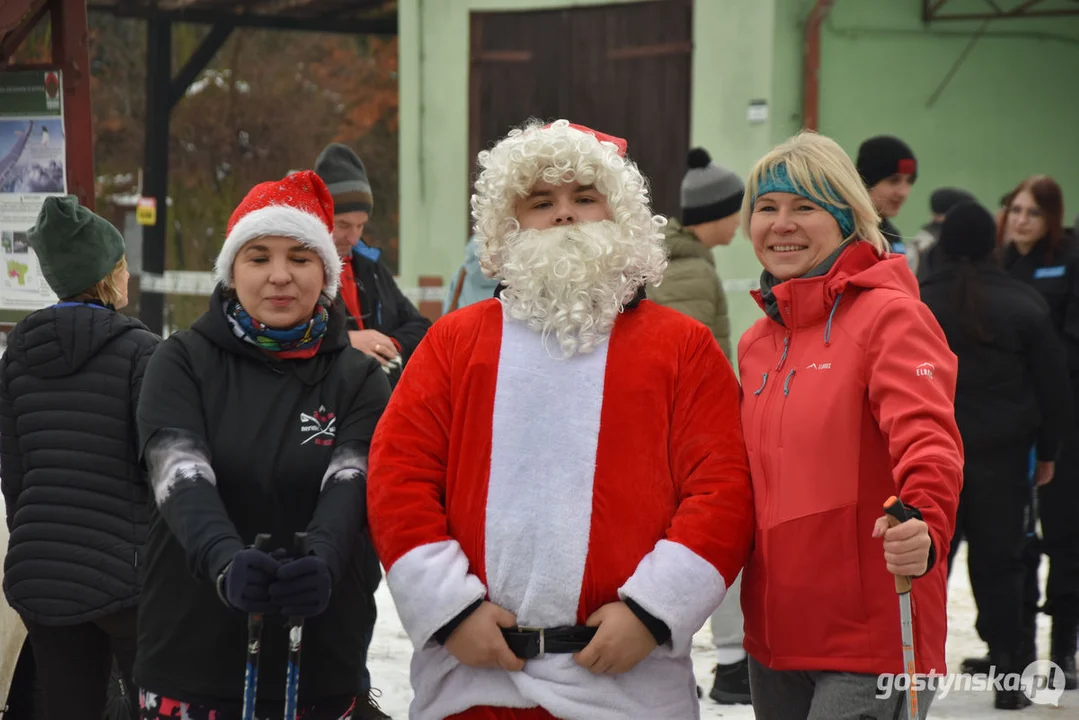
(888, 168)
(258, 420)
(1010, 396)
(1035, 249)
(73, 486)
(925, 255)
(382, 322)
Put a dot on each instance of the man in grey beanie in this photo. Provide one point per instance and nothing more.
(711, 200)
(382, 322)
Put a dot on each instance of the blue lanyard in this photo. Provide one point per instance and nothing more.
(80, 304)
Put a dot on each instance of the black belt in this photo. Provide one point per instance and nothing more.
(531, 642)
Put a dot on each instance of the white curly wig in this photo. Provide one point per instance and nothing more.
(560, 153)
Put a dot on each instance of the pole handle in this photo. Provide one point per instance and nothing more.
(897, 514)
(299, 545)
(254, 620)
(299, 550)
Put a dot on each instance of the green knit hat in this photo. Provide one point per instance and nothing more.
(76, 248)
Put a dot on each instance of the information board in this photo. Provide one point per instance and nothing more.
(33, 166)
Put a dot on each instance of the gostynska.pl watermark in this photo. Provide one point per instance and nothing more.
(1042, 681)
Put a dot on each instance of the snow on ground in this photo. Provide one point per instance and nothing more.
(390, 652)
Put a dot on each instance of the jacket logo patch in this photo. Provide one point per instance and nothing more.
(821, 366)
(925, 370)
(318, 426)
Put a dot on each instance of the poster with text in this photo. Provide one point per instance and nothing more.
(33, 166)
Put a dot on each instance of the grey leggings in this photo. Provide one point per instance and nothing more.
(797, 695)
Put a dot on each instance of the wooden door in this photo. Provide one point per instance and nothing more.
(623, 69)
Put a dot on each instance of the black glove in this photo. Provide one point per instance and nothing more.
(245, 582)
(302, 587)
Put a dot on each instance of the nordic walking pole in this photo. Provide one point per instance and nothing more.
(254, 646)
(295, 640)
(898, 514)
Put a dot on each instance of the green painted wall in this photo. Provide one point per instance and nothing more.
(745, 50)
(735, 61)
(1011, 109)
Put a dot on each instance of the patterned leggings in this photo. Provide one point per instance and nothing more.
(155, 707)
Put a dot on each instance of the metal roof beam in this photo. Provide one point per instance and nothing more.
(354, 26)
(195, 64)
(11, 41)
(931, 11)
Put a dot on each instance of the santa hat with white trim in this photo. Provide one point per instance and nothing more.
(298, 206)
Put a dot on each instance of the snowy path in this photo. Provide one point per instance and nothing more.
(390, 652)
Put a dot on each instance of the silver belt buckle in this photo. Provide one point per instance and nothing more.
(527, 628)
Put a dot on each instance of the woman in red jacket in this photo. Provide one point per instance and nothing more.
(848, 399)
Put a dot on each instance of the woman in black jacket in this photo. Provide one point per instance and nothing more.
(258, 420)
(74, 489)
(1010, 397)
(1036, 249)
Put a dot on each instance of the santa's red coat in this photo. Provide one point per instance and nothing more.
(552, 487)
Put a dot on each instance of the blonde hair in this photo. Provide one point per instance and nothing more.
(108, 289)
(821, 170)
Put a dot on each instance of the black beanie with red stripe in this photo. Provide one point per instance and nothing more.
(883, 156)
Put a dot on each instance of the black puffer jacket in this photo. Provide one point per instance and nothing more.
(76, 497)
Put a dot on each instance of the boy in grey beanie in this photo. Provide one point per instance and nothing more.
(711, 198)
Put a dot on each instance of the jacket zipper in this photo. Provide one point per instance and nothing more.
(763, 417)
(771, 509)
(768, 415)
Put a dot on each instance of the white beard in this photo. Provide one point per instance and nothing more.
(572, 281)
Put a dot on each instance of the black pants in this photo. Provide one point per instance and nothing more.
(992, 518)
(74, 662)
(1059, 513)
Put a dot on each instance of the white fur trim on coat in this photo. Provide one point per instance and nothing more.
(283, 221)
(431, 585)
(679, 587)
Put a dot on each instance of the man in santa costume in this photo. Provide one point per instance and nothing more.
(559, 488)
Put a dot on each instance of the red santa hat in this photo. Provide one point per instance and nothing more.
(557, 152)
(298, 206)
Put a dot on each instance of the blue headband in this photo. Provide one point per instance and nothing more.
(778, 180)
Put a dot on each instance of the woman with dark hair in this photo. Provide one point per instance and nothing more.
(257, 420)
(1012, 366)
(1035, 249)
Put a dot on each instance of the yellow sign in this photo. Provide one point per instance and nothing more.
(146, 211)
